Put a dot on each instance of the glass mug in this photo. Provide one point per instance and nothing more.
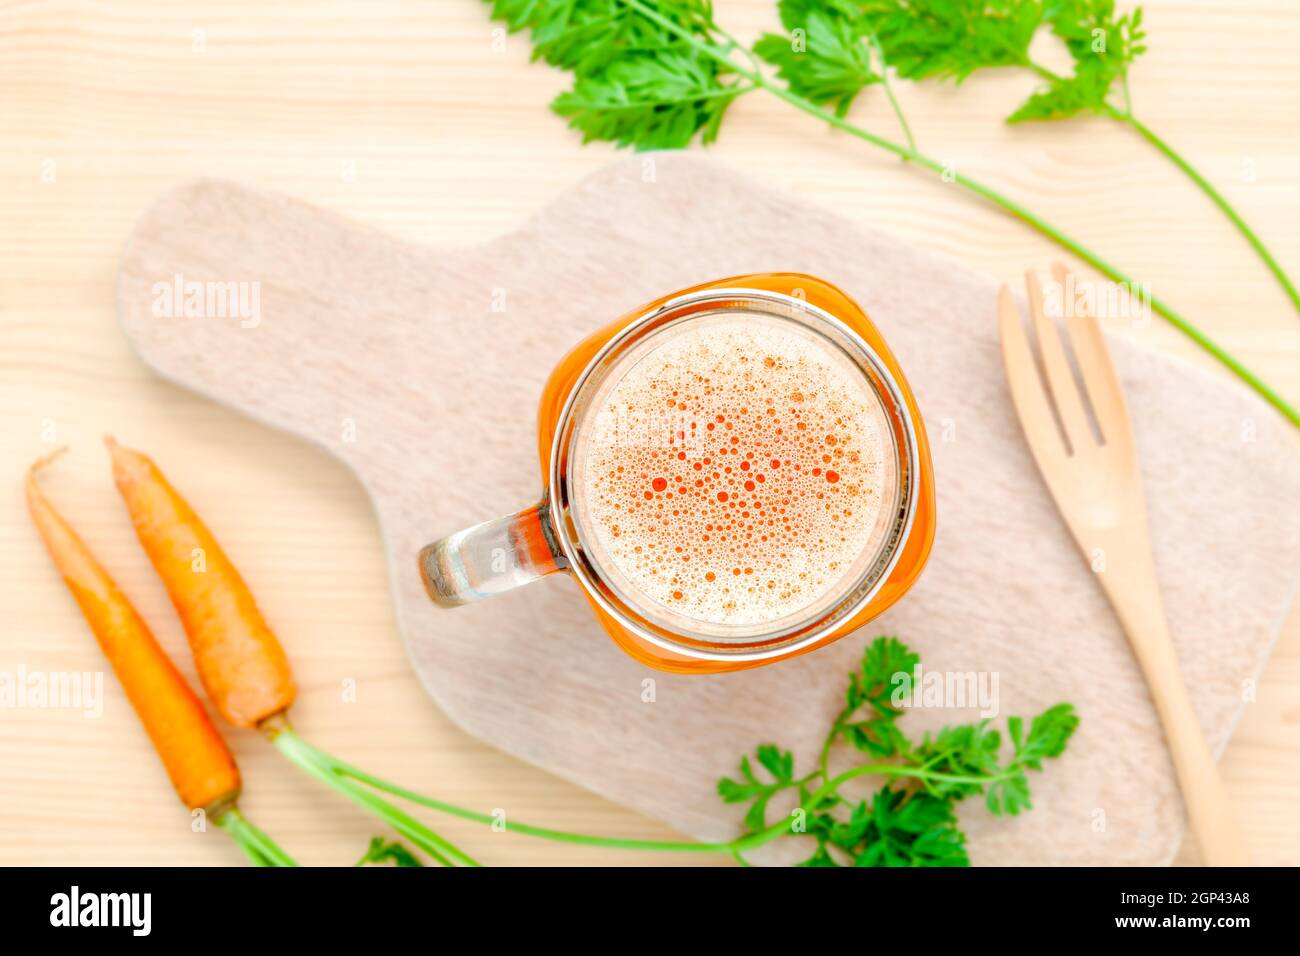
(637, 482)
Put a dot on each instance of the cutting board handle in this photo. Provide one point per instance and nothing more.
(308, 307)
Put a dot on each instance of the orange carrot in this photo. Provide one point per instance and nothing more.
(240, 661)
(200, 766)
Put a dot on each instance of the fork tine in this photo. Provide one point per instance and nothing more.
(1098, 372)
(1059, 378)
(1027, 395)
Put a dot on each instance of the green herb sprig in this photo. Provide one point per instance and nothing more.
(909, 821)
(951, 39)
(656, 74)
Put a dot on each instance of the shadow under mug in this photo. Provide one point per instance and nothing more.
(500, 555)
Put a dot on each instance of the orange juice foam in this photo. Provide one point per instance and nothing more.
(734, 471)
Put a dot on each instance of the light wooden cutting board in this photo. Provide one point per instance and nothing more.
(420, 369)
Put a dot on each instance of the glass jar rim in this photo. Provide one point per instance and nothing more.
(777, 642)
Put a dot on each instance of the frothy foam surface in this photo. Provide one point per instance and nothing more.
(734, 470)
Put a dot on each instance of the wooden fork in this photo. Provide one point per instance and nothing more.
(1098, 490)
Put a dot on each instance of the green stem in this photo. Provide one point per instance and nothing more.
(339, 767)
(1061, 239)
(243, 841)
(1215, 196)
(1035, 222)
(889, 93)
(261, 849)
(300, 753)
(1125, 115)
(750, 841)
(824, 758)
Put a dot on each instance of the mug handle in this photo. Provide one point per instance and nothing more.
(491, 558)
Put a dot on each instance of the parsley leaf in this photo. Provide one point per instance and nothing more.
(1060, 99)
(826, 57)
(636, 83)
(821, 857)
(899, 828)
(911, 820)
(649, 101)
(886, 674)
(965, 751)
(586, 35)
(1102, 45)
(951, 39)
(1048, 735)
(750, 789)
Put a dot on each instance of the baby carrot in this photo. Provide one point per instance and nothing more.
(198, 762)
(240, 661)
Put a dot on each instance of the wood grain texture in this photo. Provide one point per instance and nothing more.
(403, 115)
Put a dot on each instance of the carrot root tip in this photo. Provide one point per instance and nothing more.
(40, 463)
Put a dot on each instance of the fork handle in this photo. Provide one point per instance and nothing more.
(1136, 597)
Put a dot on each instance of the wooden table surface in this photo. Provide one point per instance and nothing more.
(413, 117)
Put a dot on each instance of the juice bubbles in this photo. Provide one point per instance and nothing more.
(733, 472)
